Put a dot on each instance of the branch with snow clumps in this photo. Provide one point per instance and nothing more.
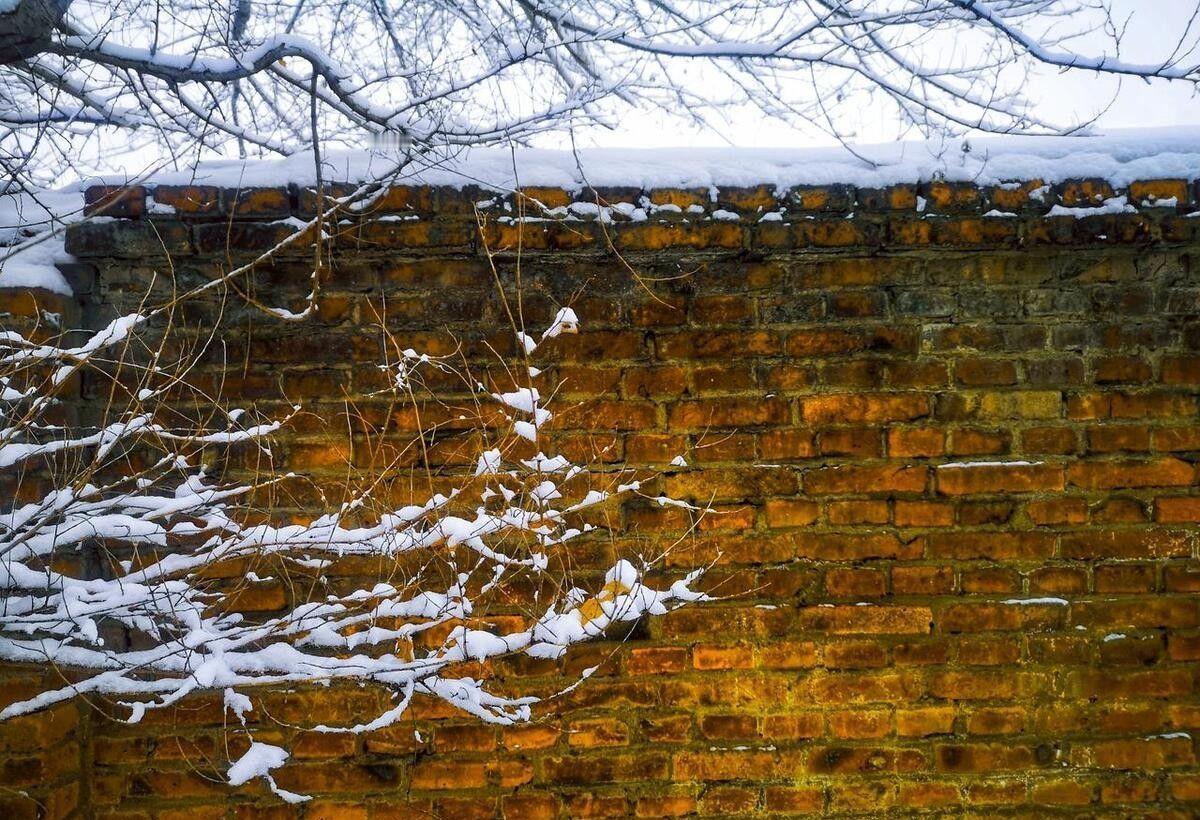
(164, 527)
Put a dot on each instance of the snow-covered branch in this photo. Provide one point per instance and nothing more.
(147, 625)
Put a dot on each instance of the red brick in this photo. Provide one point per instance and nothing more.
(859, 408)
(929, 795)
(1113, 543)
(729, 801)
(883, 620)
(656, 660)
(1057, 511)
(853, 479)
(597, 732)
(794, 799)
(857, 512)
(991, 545)
(1177, 510)
(923, 722)
(727, 344)
(722, 657)
(998, 478)
(665, 806)
(860, 724)
(1181, 370)
(920, 441)
(788, 512)
(699, 415)
(826, 342)
(847, 582)
(1136, 754)
(115, 201)
(786, 445)
(855, 654)
(922, 580)
(734, 765)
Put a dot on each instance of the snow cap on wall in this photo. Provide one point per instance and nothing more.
(1119, 158)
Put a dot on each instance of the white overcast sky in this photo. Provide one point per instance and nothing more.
(1153, 28)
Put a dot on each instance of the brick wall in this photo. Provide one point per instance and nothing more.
(955, 457)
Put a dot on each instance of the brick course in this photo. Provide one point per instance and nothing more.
(954, 457)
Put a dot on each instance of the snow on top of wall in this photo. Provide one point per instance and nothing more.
(30, 264)
(33, 267)
(1120, 157)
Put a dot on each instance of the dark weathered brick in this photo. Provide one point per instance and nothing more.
(124, 239)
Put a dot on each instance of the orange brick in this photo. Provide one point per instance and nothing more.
(786, 512)
(657, 660)
(998, 478)
(860, 408)
(920, 441)
(922, 514)
(1177, 510)
(925, 721)
(598, 732)
(853, 479)
(722, 657)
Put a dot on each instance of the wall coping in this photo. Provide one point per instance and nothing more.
(147, 222)
(1076, 198)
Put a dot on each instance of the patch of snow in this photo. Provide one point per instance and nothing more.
(32, 265)
(153, 206)
(997, 214)
(1036, 601)
(28, 261)
(565, 321)
(489, 463)
(630, 211)
(722, 215)
(1115, 205)
(258, 761)
(1114, 636)
(238, 703)
(292, 222)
